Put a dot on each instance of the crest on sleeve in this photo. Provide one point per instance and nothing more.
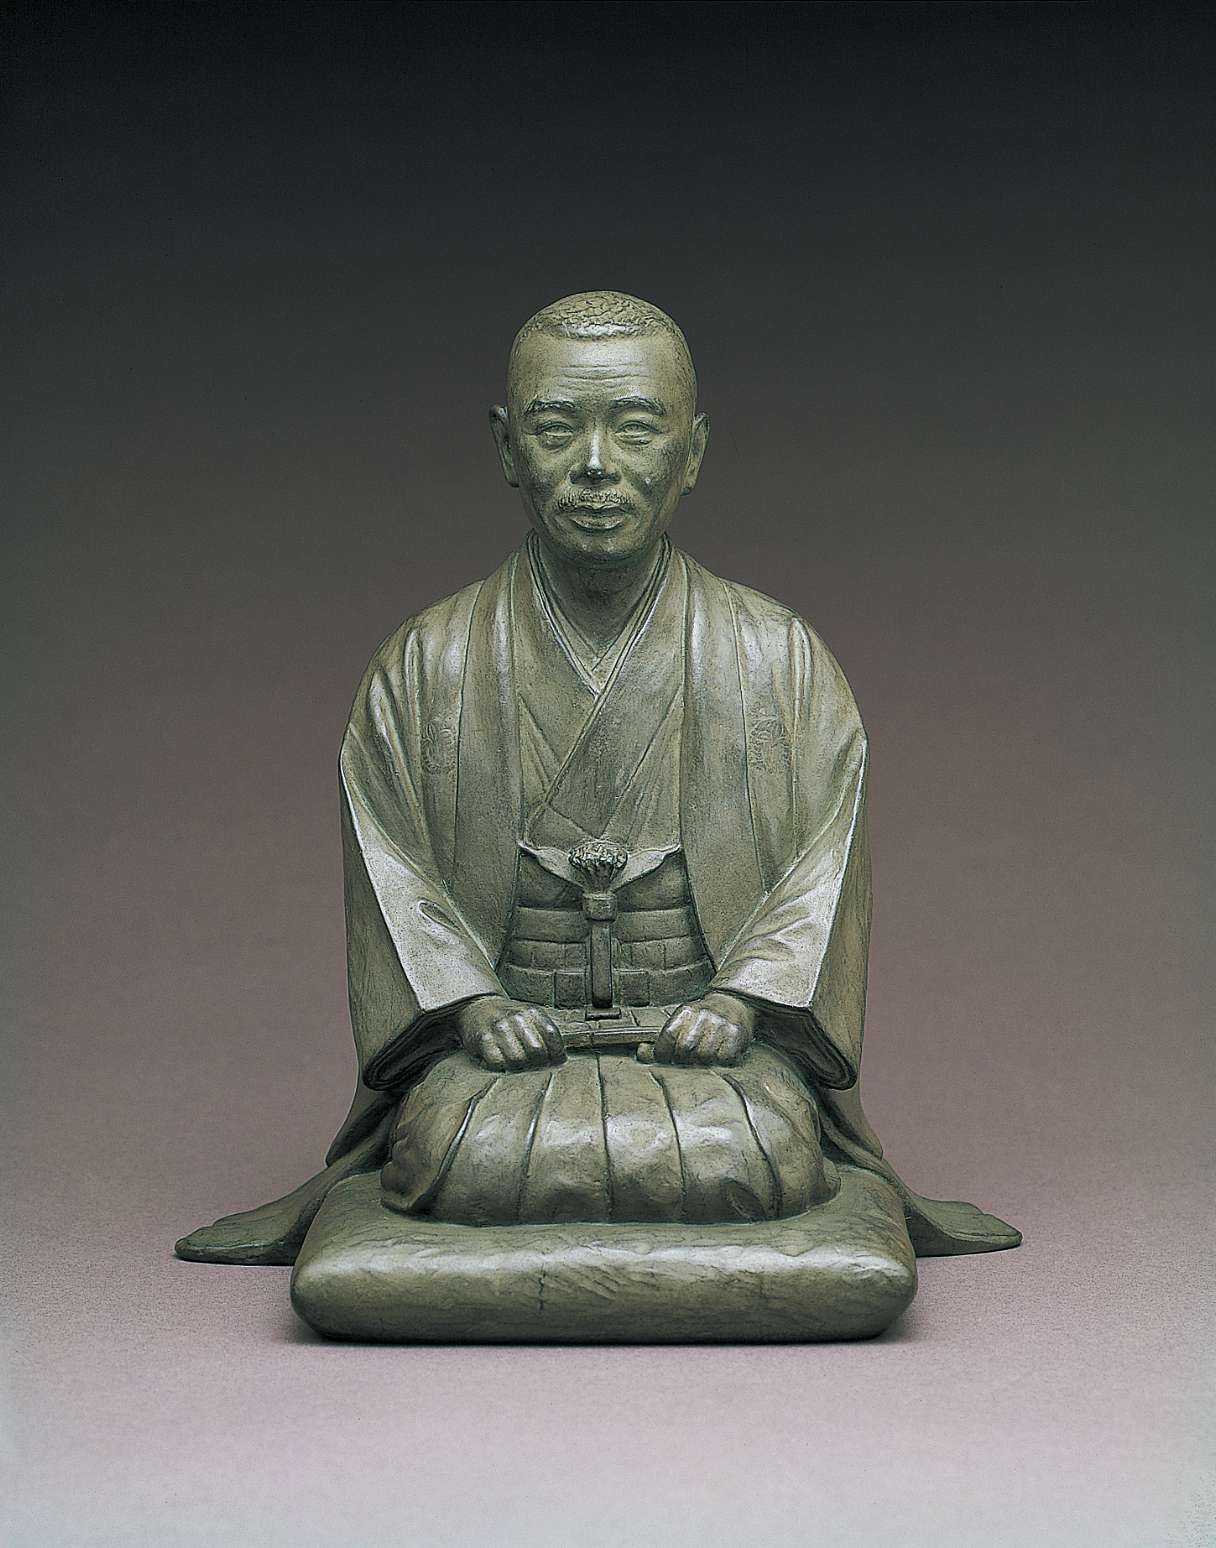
(438, 747)
(768, 745)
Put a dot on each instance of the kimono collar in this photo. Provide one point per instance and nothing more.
(594, 671)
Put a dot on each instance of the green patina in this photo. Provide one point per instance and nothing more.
(608, 906)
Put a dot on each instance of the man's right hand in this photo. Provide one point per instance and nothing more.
(508, 1034)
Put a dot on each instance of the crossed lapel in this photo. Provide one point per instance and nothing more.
(621, 721)
(715, 799)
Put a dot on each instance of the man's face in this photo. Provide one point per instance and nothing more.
(601, 439)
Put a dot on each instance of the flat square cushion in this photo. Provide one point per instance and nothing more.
(844, 1269)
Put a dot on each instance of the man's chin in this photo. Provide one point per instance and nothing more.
(606, 537)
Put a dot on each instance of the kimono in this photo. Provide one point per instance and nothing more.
(718, 727)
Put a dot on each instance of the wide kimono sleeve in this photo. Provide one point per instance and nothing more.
(411, 958)
(803, 950)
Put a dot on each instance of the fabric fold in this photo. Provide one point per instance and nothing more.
(769, 806)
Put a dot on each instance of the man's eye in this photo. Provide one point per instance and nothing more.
(636, 427)
(553, 430)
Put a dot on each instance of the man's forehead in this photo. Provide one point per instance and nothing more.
(646, 365)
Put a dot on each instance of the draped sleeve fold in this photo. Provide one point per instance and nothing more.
(801, 941)
(412, 957)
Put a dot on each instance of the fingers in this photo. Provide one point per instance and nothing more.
(537, 1033)
(477, 1016)
(686, 1037)
(551, 1036)
(532, 1043)
(518, 1038)
(700, 1034)
(489, 1052)
(665, 1043)
(722, 1040)
(733, 1045)
(510, 1043)
(710, 1043)
(499, 1048)
(689, 1039)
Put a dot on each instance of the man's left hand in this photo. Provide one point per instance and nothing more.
(715, 1030)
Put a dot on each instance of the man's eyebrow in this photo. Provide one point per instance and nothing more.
(549, 406)
(650, 405)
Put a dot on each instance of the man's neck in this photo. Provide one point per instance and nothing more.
(598, 599)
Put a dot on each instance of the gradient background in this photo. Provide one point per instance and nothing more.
(947, 274)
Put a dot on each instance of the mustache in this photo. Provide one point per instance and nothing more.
(592, 500)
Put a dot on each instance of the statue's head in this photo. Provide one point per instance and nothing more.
(600, 432)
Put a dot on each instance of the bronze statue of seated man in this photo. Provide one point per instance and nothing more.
(608, 903)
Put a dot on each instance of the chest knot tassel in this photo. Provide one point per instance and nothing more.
(600, 863)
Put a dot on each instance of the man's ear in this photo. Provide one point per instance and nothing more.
(696, 450)
(498, 424)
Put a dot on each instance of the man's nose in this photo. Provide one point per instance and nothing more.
(595, 464)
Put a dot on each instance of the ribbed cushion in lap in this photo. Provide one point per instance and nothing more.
(603, 1137)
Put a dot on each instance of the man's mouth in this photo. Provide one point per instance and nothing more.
(592, 502)
(597, 518)
(594, 513)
